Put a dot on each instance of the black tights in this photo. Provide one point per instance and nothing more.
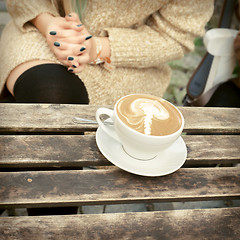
(50, 83)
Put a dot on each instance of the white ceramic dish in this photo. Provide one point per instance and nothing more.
(168, 161)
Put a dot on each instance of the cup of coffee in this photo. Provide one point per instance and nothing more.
(143, 124)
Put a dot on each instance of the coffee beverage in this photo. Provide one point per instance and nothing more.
(149, 115)
(144, 125)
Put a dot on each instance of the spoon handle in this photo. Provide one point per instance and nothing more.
(88, 121)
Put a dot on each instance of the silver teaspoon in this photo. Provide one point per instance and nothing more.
(88, 121)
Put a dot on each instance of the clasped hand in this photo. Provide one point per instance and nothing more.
(71, 42)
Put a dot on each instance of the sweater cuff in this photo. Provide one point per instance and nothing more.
(23, 13)
(141, 48)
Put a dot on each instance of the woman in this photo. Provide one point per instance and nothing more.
(48, 56)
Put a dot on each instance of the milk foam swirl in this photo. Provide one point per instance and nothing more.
(142, 111)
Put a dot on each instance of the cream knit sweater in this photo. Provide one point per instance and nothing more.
(144, 35)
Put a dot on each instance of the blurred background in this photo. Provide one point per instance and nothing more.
(184, 68)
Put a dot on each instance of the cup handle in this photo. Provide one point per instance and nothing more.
(107, 128)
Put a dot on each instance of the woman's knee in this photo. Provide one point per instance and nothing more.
(17, 72)
(49, 83)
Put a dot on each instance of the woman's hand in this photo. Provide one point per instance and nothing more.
(70, 42)
(67, 38)
(85, 51)
(89, 54)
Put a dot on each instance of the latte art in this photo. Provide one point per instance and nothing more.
(143, 111)
(149, 115)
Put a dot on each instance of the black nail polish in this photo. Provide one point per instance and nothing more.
(88, 37)
(82, 49)
(74, 66)
(79, 25)
(70, 70)
(57, 44)
(53, 33)
(70, 58)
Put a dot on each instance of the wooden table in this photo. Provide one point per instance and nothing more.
(42, 152)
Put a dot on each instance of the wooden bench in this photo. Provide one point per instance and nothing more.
(42, 151)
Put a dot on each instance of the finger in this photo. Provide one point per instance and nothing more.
(77, 39)
(76, 70)
(65, 55)
(73, 17)
(83, 59)
(65, 33)
(80, 49)
(75, 64)
(61, 25)
(77, 25)
(65, 63)
(71, 60)
(60, 45)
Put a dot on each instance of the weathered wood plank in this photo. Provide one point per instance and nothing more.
(76, 187)
(211, 120)
(45, 118)
(58, 118)
(49, 151)
(212, 149)
(201, 224)
(37, 151)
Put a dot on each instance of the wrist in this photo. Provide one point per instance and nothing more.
(42, 21)
(101, 50)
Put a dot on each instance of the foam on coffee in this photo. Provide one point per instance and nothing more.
(149, 115)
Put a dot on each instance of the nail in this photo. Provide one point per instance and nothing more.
(57, 44)
(79, 25)
(74, 66)
(53, 33)
(82, 49)
(70, 58)
(70, 70)
(88, 37)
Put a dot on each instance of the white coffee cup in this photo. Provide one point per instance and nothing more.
(137, 145)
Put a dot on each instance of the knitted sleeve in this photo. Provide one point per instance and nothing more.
(166, 35)
(25, 10)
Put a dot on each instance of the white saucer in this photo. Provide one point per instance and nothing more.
(168, 161)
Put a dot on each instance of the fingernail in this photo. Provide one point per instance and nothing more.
(53, 33)
(82, 49)
(88, 37)
(74, 66)
(70, 70)
(79, 25)
(70, 58)
(57, 44)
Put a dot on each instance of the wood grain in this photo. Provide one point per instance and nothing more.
(200, 224)
(211, 120)
(45, 118)
(76, 187)
(44, 151)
